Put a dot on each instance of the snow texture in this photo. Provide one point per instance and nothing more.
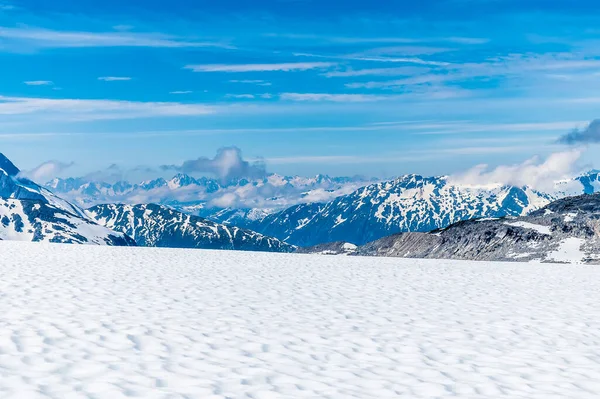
(102, 322)
(569, 251)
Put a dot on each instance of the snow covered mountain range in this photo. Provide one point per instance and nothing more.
(567, 230)
(350, 214)
(29, 212)
(204, 196)
(158, 226)
(409, 203)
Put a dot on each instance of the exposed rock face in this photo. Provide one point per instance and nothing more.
(332, 248)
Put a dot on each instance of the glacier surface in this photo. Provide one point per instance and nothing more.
(102, 322)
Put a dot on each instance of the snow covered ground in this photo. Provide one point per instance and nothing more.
(98, 322)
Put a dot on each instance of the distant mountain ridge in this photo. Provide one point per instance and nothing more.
(205, 196)
(29, 212)
(159, 226)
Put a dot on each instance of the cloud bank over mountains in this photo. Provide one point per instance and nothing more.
(227, 165)
(534, 172)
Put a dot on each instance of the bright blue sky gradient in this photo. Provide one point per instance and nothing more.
(376, 88)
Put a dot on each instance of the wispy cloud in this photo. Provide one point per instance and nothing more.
(403, 51)
(415, 80)
(79, 109)
(405, 156)
(553, 64)
(399, 71)
(39, 83)
(398, 60)
(47, 170)
(114, 78)
(373, 58)
(235, 68)
(326, 97)
(459, 128)
(466, 40)
(252, 82)
(7, 7)
(241, 96)
(181, 92)
(381, 39)
(47, 38)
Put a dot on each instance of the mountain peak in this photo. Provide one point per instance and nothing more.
(8, 166)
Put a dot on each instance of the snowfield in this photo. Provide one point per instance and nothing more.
(109, 322)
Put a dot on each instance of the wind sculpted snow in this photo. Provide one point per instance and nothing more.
(102, 322)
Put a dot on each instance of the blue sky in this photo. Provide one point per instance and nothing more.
(377, 88)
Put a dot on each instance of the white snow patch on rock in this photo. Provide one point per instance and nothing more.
(569, 251)
(537, 227)
(569, 217)
(350, 247)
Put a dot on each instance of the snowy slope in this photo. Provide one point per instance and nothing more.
(108, 323)
(410, 203)
(29, 212)
(158, 226)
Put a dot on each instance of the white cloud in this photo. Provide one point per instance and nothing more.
(452, 128)
(46, 171)
(255, 82)
(284, 67)
(227, 200)
(47, 38)
(114, 78)
(467, 40)
(181, 92)
(403, 51)
(399, 71)
(415, 80)
(526, 65)
(39, 83)
(378, 39)
(363, 57)
(325, 97)
(227, 164)
(241, 96)
(79, 109)
(534, 172)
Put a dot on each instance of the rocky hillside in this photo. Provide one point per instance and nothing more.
(567, 230)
